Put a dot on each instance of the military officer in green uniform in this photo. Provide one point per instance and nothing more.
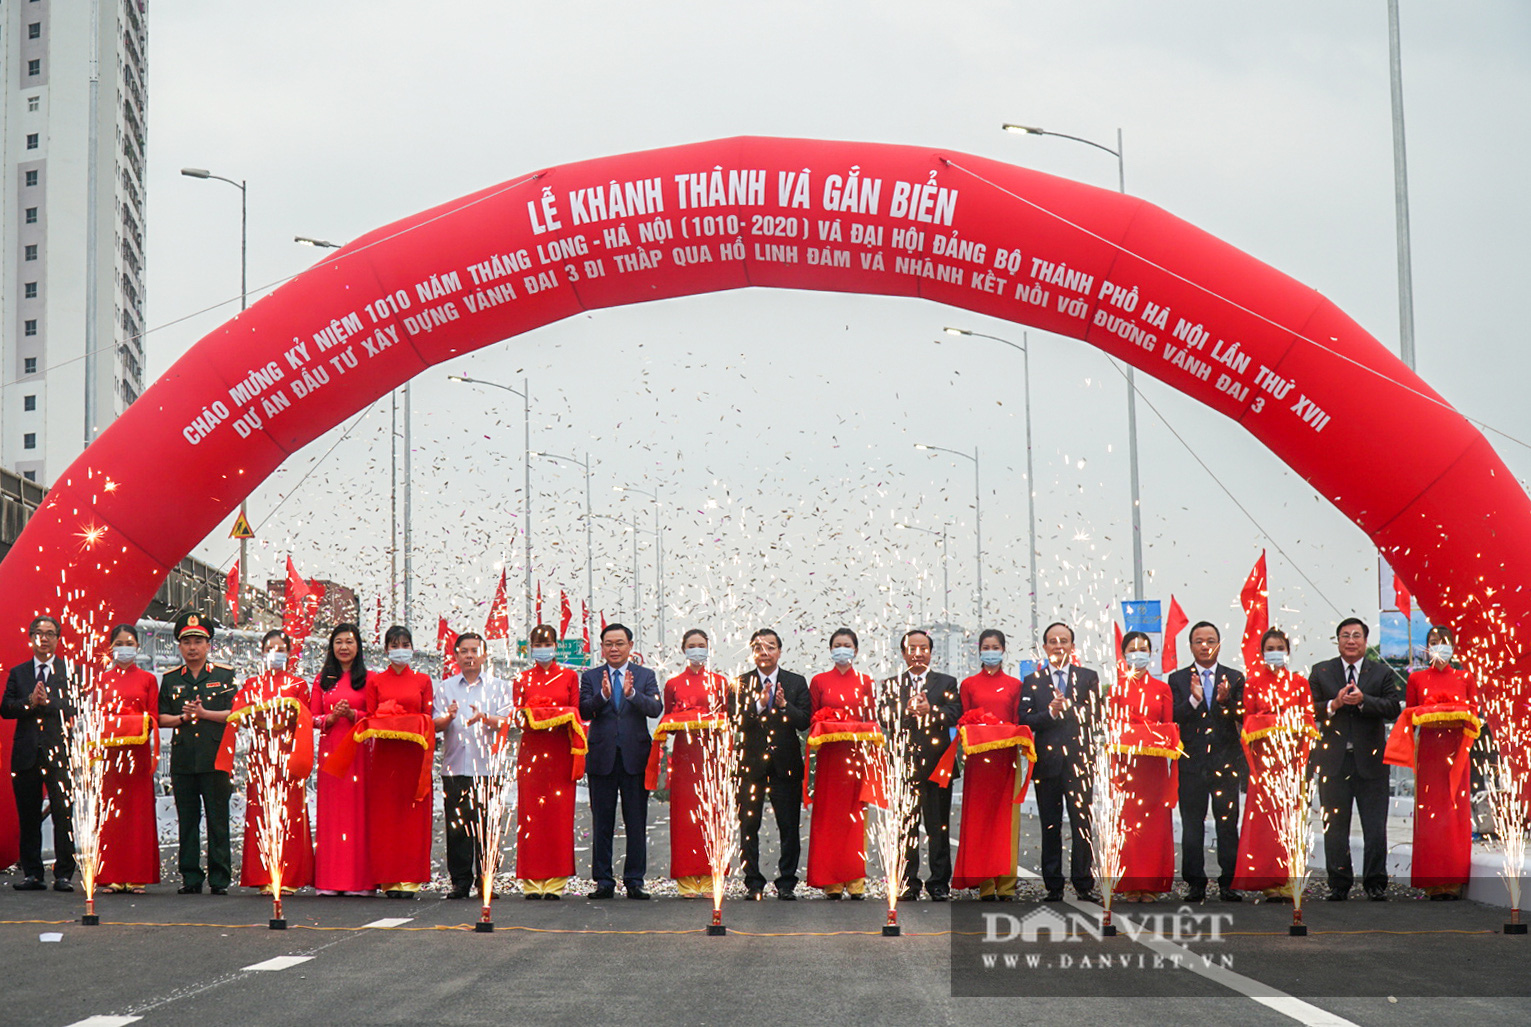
(195, 699)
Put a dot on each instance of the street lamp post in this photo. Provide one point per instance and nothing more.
(589, 515)
(658, 559)
(946, 578)
(244, 549)
(1132, 388)
(526, 411)
(977, 512)
(1031, 481)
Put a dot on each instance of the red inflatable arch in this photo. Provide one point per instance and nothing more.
(1002, 241)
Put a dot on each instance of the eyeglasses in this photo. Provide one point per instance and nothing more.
(45, 634)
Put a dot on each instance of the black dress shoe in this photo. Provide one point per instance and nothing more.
(397, 894)
(786, 895)
(30, 884)
(1336, 896)
(225, 891)
(189, 889)
(62, 885)
(909, 895)
(459, 893)
(637, 892)
(1089, 896)
(857, 896)
(986, 898)
(1053, 896)
(1376, 895)
(530, 896)
(755, 895)
(603, 892)
(940, 896)
(1229, 895)
(551, 896)
(1006, 898)
(1196, 894)
(834, 896)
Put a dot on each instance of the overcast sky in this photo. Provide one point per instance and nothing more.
(779, 427)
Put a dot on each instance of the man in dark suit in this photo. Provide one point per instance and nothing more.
(1354, 699)
(37, 697)
(928, 704)
(771, 706)
(1057, 703)
(617, 699)
(1209, 701)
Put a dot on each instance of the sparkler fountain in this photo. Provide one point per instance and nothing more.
(1291, 788)
(1104, 732)
(718, 806)
(491, 799)
(85, 737)
(894, 825)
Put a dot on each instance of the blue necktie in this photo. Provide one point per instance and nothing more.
(1063, 682)
(616, 689)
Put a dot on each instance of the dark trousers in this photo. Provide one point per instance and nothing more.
(1199, 788)
(935, 812)
(28, 788)
(786, 795)
(197, 795)
(1336, 793)
(606, 791)
(461, 808)
(1054, 794)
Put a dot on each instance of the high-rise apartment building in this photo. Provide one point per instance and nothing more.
(73, 105)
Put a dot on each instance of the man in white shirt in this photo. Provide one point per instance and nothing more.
(474, 703)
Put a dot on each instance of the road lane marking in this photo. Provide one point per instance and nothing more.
(278, 963)
(106, 1021)
(389, 921)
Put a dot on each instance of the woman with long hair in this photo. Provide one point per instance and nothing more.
(129, 695)
(549, 764)
(1278, 735)
(337, 702)
(1145, 771)
(272, 707)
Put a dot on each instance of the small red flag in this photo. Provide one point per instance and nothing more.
(603, 622)
(1174, 623)
(446, 645)
(1255, 598)
(1402, 597)
(498, 624)
(231, 592)
(584, 620)
(377, 628)
(539, 602)
(565, 614)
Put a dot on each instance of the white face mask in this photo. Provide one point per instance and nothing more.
(991, 657)
(1275, 659)
(697, 654)
(543, 653)
(842, 655)
(276, 659)
(125, 653)
(400, 656)
(1440, 653)
(1138, 659)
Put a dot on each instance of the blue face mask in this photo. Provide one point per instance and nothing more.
(1275, 659)
(543, 653)
(1138, 659)
(991, 657)
(842, 655)
(697, 654)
